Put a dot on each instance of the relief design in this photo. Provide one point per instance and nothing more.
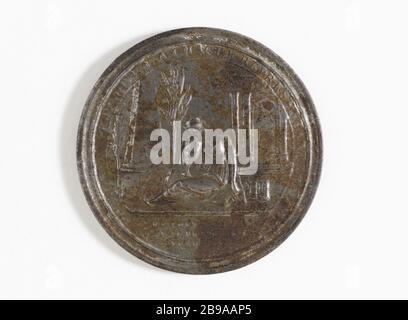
(225, 96)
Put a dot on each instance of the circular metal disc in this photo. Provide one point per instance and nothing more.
(199, 218)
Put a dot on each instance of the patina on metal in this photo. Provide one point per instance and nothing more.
(198, 218)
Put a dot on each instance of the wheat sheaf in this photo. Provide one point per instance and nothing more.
(177, 95)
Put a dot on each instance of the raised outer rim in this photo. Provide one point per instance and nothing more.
(173, 265)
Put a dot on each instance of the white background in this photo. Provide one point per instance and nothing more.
(352, 56)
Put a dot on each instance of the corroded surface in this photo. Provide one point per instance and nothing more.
(198, 218)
